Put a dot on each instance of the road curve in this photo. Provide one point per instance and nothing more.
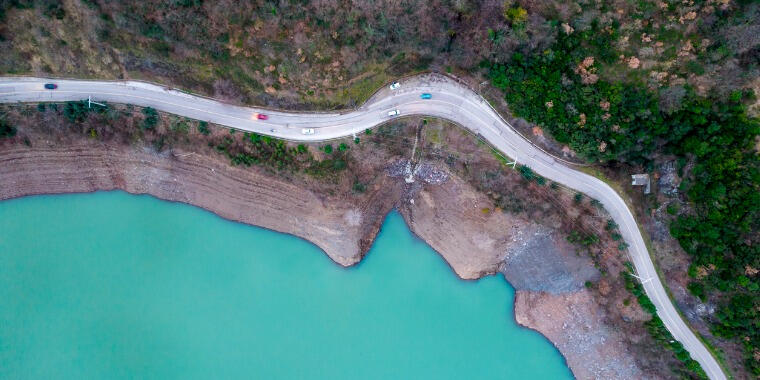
(450, 100)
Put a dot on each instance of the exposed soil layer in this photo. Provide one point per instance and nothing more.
(344, 230)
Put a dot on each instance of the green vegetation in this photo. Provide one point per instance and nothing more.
(259, 150)
(657, 329)
(624, 121)
(6, 130)
(151, 118)
(359, 187)
(203, 128)
(526, 172)
(180, 126)
(76, 111)
(578, 113)
(583, 239)
(270, 152)
(517, 16)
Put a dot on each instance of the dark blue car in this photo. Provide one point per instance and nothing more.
(426, 96)
(51, 86)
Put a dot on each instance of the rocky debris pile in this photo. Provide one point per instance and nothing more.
(575, 323)
(430, 174)
(668, 182)
(542, 261)
(423, 171)
(397, 168)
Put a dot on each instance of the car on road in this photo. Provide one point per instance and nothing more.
(426, 96)
(261, 116)
(307, 131)
(395, 85)
(394, 113)
(51, 86)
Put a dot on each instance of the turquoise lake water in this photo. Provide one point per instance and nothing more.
(112, 285)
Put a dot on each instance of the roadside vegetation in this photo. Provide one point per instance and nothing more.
(656, 328)
(6, 130)
(165, 132)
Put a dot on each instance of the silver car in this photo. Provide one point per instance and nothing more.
(307, 131)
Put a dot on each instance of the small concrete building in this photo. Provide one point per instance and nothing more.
(641, 180)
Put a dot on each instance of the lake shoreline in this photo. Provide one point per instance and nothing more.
(449, 217)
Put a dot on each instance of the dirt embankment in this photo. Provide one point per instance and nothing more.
(344, 230)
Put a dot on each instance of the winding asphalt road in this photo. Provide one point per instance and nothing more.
(450, 100)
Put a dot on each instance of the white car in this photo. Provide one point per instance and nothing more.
(394, 113)
(395, 85)
(307, 131)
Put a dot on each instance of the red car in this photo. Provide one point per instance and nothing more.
(261, 116)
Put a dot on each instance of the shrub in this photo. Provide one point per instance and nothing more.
(526, 172)
(359, 187)
(339, 164)
(76, 111)
(328, 148)
(516, 16)
(6, 130)
(697, 289)
(151, 118)
(180, 126)
(203, 128)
